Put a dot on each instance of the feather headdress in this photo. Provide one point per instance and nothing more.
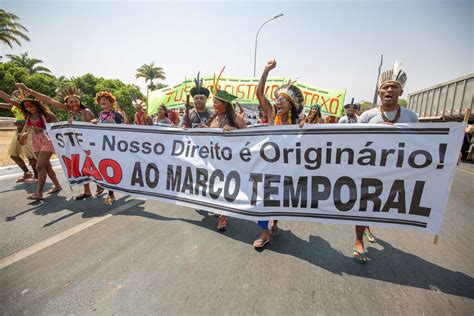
(215, 82)
(352, 105)
(221, 94)
(140, 102)
(70, 91)
(19, 95)
(396, 74)
(199, 88)
(293, 93)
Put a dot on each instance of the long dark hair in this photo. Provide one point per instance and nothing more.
(314, 116)
(229, 109)
(43, 110)
(164, 109)
(294, 114)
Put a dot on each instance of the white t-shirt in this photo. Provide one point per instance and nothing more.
(373, 116)
(346, 119)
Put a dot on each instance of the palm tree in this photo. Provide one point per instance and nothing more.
(29, 63)
(149, 73)
(10, 29)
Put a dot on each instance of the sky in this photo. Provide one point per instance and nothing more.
(328, 44)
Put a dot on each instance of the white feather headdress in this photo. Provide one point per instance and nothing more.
(293, 93)
(395, 74)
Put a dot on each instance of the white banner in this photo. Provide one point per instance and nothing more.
(360, 174)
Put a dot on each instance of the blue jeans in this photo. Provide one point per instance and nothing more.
(263, 224)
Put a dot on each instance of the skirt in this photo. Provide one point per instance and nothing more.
(17, 150)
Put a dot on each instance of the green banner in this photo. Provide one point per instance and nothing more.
(331, 101)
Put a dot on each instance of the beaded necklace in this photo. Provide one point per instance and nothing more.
(385, 118)
(277, 120)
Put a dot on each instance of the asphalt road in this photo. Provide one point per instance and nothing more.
(146, 257)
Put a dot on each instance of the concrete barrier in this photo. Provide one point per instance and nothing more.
(6, 123)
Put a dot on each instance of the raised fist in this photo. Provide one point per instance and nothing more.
(271, 64)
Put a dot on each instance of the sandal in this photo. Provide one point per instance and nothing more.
(222, 223)
(274, 231)
(35, 197)
(30, 180)
(99, 191)
(360, 257)
(26, 176)
(81, 196)
(54, 190)
(370, 237)
(260, 243)
(109, 200)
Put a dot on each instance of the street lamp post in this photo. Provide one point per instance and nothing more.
(374, 102)
(256, 38)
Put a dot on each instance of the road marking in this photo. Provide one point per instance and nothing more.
(5, 262)
(465, 171)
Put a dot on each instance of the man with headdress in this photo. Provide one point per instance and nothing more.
(351, 113)
(199, 115)
(390, 88)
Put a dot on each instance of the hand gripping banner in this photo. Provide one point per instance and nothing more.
(358, 174)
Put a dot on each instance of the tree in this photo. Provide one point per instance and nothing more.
(149, 73)
(402, 102)
(11, 31)
(29, 63)
(123, 93)
(364, 106)
(11, 73)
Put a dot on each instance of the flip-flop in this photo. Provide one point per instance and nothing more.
(25, 177)
(34, 197)
(370, 237)
(260, 243)
(81, 196)
(99, 191)
(362, 255)
(54, 190)
(30, 180)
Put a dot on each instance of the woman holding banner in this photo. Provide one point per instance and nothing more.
(107, 116)
(162, 116)
(288, 105)
(226, 118)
